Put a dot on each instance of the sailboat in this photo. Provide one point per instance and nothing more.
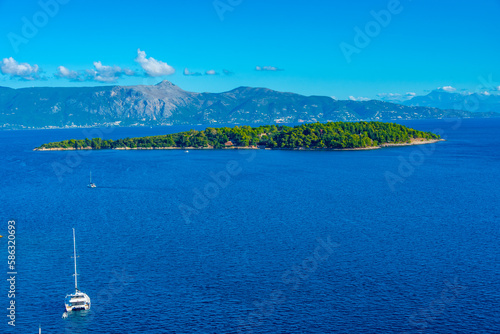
(91, 185)
(79, 300)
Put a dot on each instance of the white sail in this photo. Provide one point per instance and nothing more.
(74, 256)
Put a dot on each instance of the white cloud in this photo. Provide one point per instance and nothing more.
(389, 95)
(227, 72)
(481, 90)
(63, 72)
(396, 97)
(448, 89)
(267, 68)
(104, 73)
(352, 98)
(128, 71)
(211, 72)
(100, 73)
(186, 72)
(19, 70)
(153, 67)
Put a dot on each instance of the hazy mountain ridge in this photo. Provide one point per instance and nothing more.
(167, 104)
(474, 102)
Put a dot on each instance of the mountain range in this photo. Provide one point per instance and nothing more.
(167, 104)
(475, 102)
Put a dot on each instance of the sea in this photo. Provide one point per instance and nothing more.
(394, 240)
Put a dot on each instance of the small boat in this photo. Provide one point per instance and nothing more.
(91, 185)
(79, 300)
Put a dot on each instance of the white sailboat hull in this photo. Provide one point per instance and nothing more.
(79, 301)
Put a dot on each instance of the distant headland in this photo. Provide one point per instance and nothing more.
(310, 136)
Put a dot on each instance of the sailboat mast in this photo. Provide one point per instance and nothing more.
(74, 255)
(90, 178)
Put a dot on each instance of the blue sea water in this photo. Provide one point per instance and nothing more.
(396, 240)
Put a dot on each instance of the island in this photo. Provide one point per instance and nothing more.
(309, 136)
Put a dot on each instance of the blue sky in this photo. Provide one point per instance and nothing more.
(298, 45)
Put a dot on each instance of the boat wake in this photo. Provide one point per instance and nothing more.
(136, 188)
